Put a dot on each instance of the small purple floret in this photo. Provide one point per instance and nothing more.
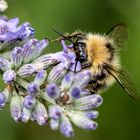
(29, 102)
(75, 92)
(33, 89)
(9, 76)
(66, 129)
(40, 74)
(52, 90)
(54, 112)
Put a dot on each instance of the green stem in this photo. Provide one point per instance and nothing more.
(22, 82)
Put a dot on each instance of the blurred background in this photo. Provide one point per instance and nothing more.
(119, 115)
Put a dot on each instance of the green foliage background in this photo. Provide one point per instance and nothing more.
(119, 115)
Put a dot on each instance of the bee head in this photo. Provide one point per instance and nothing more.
(78, 46)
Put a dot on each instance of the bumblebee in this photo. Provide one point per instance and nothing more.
(100, 54)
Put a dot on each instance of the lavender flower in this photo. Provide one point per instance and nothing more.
(59, 97)
(71, 104)
(11, 33)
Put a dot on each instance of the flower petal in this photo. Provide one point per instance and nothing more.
(40, 114)
(66, 127)
(16, 107)
(58, 72)
(82, 121)
(88, 102)
(4, 64)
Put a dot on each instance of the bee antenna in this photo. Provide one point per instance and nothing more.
(62, 35)
(48, 39)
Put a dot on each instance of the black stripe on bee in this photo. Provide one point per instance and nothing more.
(111, 50)
(98, 86)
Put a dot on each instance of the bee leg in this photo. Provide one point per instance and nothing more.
(86, 64)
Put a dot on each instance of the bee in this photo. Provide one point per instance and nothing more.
(100, 54)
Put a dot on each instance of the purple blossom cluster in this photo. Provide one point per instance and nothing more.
(45, 88)
(11, 34)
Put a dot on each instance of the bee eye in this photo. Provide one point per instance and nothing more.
(82, 57)
(82, 54)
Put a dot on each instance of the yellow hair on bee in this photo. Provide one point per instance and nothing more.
(97, 52)
(101, 50)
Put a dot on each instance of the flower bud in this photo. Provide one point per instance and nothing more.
(58, 72)
(26, 70)
(33, 48)
(67, 81)
(85, 76)
(29, 102)
(16, 57)
(75, 93)
(40, 114)
(4, 64)
(54, 112)
(53, 91)
(66, 127)
(25, 115)
(82, 121)
(88, 102)
(9, 76)
(40, 77)
(16, 107)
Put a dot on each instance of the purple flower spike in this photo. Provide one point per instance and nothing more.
(66, 127)
(9, 76)
(53, 91)
(2, 100)
(29, 102)
(33, 89)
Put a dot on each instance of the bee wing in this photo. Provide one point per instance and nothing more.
(125, 81)
(120, 34)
